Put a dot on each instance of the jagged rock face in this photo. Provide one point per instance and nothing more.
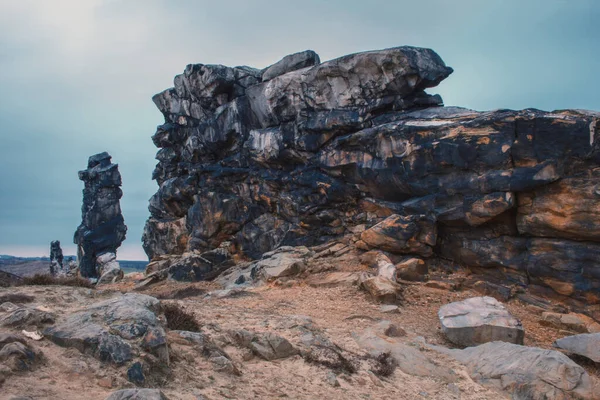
(309, 154)
(102, 229)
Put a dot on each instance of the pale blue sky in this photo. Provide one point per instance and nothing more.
(77, 76)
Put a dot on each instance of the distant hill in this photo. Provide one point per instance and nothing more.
(28, 266)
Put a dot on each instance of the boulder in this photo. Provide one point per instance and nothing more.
(114, 330)
(24, 317)
(382, 289)
(479, 320)
(403, 234)
(412, 269)
(291, 63)
(410, 360)
(283, 262)
(109, 268)
(18, 356)
(527, 372)
(587, 345)
(102, 229)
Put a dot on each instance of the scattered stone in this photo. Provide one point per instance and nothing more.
(135, 374)
(412, 269)
(332, 379)
(265, 345)
(33, 335)
(283, 262)
(587, 345)
(499, 292)
(18, 356)
(137, 394)
(382, 290)
(389, 308)
(479, 320)
(575, 322)
(25, 317)
(333, 279)
(439, 285)
(108, 268)
(102, 229)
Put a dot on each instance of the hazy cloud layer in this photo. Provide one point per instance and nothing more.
(77, 76)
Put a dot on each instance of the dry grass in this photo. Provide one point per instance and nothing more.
(383, 365)
(180, 320)
(189, 291)
(48, 280)
(16, 298)
(331, 358)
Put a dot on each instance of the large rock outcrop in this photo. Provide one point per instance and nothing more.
(102, 229)
(320, 148)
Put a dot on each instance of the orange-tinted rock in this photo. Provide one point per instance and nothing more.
(403, 234)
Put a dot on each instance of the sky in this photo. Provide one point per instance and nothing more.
(77, 77)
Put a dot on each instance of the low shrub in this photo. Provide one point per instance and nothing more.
(180, 320)
(49, 280)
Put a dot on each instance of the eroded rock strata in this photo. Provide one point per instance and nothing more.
(102, 228)
(304, 152)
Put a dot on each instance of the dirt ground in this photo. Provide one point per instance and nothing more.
(341, 312)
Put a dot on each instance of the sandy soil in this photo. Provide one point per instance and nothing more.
(339, 312)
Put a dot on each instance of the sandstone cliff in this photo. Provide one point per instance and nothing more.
(304, 152)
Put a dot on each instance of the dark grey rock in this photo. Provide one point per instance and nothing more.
(114, 330)
(135, 374)
(23, 317)
(291, 63)
(302, 157)
(56, 258)
(102, 229)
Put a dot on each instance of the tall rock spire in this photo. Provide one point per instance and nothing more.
(102, 228)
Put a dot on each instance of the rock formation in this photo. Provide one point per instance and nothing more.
(304, 152)
(56, 258)
(102, 229)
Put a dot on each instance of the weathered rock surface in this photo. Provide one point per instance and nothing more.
(283, 262)
(301, 157)
(291, 63)
(23, 317)
(102, 229)
(381, 289)
(479, 320)
(56, 258)
(410, 360)
(267, 345)
(115, 330)
(587, 345)
(527, 372)
(572, 321)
